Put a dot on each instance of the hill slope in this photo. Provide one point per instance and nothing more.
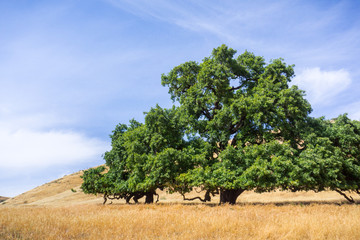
(66, 191)
(57, 192)
(3, 199)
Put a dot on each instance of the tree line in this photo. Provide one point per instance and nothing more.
(237, 125)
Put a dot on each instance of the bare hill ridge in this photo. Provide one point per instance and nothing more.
(3, 198)
(66, 191)
(62, 191)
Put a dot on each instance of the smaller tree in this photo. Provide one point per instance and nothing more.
(144, 158)
(330, 159)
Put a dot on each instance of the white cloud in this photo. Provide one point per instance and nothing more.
(26, 148)
(322, 87)
(30, 141)
(36, 147)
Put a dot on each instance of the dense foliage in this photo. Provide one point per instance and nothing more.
(331, 158)
(239, 125)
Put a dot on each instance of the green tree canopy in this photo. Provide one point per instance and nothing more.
(239, 125)
(331, 158)
(243, 108)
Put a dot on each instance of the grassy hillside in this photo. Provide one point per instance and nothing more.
(3, 199)
(66, 191)
(62, 191)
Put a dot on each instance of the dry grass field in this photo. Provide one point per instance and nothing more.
(181, 221)
(54, 211)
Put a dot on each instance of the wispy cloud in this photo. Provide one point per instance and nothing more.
(307, 33)
(23, 149)
(31, 151)
(195, 16)
(322, 87)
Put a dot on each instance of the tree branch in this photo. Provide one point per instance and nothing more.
(236, 88)
(207, 114)
(350, 199)
(206, 197)
(216, 106)
(242, 85)
(234, 128)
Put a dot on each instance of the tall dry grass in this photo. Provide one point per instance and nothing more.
(179, 221)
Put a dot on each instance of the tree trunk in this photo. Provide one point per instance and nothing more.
(149, 197)
(128, 198)
(105, 198)
(229, 195)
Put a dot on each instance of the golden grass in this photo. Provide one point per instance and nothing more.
(180, 221)
(55, 192)
(53, 211)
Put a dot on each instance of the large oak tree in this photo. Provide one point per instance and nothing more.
(238, 125)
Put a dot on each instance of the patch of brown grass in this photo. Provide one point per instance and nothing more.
(175, 221)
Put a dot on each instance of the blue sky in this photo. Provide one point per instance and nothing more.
(71, 70)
